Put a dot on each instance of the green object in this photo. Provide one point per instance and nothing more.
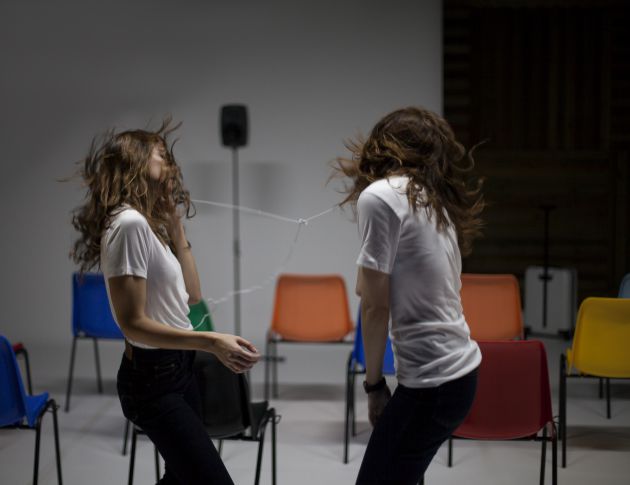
(200, 317)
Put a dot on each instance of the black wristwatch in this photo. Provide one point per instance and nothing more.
(374, 387)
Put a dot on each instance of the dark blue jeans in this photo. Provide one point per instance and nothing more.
(411, 429)
(159, 394)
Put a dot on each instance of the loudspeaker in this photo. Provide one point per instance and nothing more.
(234, 125)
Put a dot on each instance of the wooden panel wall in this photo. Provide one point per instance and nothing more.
(548, 84)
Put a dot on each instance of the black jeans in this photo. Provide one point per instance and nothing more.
(158, 393)
(413, 425)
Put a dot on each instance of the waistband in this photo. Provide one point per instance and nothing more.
(138, 354)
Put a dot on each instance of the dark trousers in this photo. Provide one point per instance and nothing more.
(159, 394)
(413, 425)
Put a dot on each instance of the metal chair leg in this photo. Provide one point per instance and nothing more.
(126, 437)
(53, 405)
(261, 444)
(157, 463)
(38, 435)
(607, 398)
(97, 359)
(563, 409)
(70, 373)
(450, 452)
(273, 446)
(268, 358)
(132, 455)
(275, 370)
(346, 429)
(220, 447)
(543, 457)
(554, 455)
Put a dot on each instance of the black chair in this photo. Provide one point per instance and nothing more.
(132, 461)
(19, 349)
(229, 413)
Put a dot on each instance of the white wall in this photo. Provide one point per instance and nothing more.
(311, 73)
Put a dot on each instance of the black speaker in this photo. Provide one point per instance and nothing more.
(234, 125)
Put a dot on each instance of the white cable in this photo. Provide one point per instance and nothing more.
(214, 302)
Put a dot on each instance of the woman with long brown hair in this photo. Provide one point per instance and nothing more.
(416, 212)
(130, 226)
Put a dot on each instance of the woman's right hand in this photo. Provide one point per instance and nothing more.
(236, 353)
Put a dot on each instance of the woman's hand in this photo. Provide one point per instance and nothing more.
(377, 400)
(236, 353)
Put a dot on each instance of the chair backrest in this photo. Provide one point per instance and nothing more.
(624, 287)
(311, 308)
(358, 352)
(199, 316)
(492, 306)
(91, 313)
(513, 398)
(602, 338)
(224, 407)
(12, 395)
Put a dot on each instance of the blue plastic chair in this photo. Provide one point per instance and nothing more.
(356, 365)
(624, 287)
(91, 319)
(17, 409)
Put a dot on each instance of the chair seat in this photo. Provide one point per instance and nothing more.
(34, 406)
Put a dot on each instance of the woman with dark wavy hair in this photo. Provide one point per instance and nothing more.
(416, 213)
(130, 226)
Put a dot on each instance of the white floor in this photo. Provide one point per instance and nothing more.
(310, 435)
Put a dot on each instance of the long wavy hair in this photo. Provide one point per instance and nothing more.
(116, 173)
(421, 145)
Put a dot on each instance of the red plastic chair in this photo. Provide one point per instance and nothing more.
(513, 399)
(307, 309)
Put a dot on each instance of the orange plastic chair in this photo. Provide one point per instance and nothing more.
(600, 349)
(307, 309)
(492, 306)
(513, 398)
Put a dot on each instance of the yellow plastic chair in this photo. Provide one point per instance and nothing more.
(600, 349)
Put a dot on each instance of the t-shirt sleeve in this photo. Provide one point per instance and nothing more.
(127, 249)
(379, 228)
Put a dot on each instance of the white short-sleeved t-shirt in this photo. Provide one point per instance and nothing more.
(430, 337)
(130, 247)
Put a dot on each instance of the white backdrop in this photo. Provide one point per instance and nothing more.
(311, 74)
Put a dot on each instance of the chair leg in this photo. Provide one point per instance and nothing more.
(70, 373)
(268, 358)
(157, 463)
(450, 452)
(97, 360)
(607, 398)
(126, 437)
(353, 408)
(53, 405)
(273, 446)
(132, 455)
(275, 370)
(563, 409)
(346, 427)
(38, 435)
(543, 457)
(220, 447)
(261, 444)
(554, 455)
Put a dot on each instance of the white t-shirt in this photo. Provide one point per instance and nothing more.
(430, 337)
(130, 247)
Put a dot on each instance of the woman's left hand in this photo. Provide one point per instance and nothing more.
(377, 400)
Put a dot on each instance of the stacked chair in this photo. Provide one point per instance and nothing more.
(513, 399)
(19, 410)
(307, 309)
